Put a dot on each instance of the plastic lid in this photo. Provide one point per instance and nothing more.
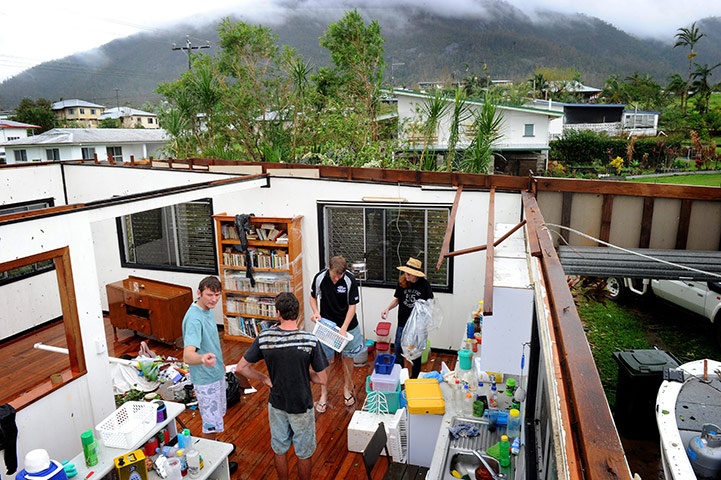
(87, 437)
(645, 362)
(37, 461)
(514, 412)
(504, 438)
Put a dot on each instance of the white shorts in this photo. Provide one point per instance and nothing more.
(212, 404)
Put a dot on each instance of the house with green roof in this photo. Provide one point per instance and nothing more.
(524, 132)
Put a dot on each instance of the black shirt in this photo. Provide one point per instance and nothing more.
(335, 298)
(407, 297)
(288, 354)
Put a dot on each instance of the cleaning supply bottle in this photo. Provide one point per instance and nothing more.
(515, 446)
(505, 452)
(90, 448)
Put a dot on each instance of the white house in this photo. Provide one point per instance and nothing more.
(85, 143)
(524, 132)
(11, 130)
(131, 117)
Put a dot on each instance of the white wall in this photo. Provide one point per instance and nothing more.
(74, 152)
(28, 303)
(31, 183)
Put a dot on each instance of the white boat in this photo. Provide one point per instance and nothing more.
(682, 408)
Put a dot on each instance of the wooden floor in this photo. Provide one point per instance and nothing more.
(246, 424)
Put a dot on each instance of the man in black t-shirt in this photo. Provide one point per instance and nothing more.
(336, 290)
(294, 359)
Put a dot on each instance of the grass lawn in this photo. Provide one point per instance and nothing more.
(711, 180)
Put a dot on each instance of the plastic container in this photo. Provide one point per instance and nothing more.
(173, 469)
(192, 458)
(704, 452)
(392, 399)
(386, 383)
(426, 352)
(468, 403)
(514, 424)
(505, 452)
(424, 396)
(331, 337)
(90, 448)
(640, 373)
(384, 363)
(127, 425)
(52, 471)
(464, 359)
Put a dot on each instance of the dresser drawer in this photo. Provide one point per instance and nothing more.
(136, 299)
(139, 324)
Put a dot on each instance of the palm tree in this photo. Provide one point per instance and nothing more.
(298, 71)
(688, 37)
(433, 109)
(701, 85)
(487, 123)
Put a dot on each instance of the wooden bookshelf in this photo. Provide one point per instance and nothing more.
(275, 252)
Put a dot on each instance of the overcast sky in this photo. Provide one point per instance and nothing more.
(42, 30)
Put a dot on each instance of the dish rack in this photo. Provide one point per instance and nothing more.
(330, 336)
(127, 425)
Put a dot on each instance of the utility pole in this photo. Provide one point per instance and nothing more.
(393, 65)
(189, 49)
(117, 99)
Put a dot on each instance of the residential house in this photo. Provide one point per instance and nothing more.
(86, 143)
(585, 92)
(11, 130)
(340, 205)
(77, 113)
(613, 119)
(131, 117)
(524, 131)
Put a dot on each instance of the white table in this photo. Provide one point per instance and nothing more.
(215, 454)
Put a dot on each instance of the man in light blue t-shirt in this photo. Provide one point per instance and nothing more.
(204, 357)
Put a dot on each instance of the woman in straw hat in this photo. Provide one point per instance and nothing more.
(412, 286)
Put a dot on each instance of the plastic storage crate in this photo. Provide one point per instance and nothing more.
(330, 336)
(364, 424)
(386, 383)
(127, 425)
(392, 399)
(384, 363)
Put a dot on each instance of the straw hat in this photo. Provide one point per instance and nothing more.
(413, 266)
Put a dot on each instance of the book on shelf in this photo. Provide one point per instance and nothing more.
(282, 238)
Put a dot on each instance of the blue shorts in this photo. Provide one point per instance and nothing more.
(352, 349)
(295, 428)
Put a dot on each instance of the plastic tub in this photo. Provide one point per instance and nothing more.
(464, 357)
(392, 399)
(386, 383)
(384, 363)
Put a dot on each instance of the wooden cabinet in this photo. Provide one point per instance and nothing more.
(150, 307)
(274, 251)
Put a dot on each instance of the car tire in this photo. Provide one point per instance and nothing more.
(615, 289)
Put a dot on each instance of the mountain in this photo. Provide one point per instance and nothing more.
(423, 47)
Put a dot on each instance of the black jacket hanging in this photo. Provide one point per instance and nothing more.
(242, 226)
(8, 437)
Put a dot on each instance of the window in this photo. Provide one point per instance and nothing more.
(14, 274)
(88, 153)
(528, 130)
(178, 237)
(116, 152)
(21, 155)
(71, 111)
(385, 236)
(13, 138)
(82, 111)
(150, 120)
(52, 154)
(92, 111)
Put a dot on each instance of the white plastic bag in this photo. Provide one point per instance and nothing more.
(415, 333)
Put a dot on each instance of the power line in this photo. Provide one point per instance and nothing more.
(189, 49)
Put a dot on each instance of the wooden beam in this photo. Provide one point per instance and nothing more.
(633, 189)
(594, 435)
(606, 215)
(483, 247)
(566, 206)
(488, 285)
(449, 228)
(646, 222)
(684, 219)
(69, 308)
(531, 226)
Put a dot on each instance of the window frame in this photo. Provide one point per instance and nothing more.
(124, 248)
(116, 158)
(83, 149)
(54, 153)
(22, 153)
(430, 262)
(526, 127)
(92, 111)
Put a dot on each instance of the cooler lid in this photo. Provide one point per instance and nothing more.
(645, 362)
(423, 395)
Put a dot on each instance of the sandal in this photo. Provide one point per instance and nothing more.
(349, 401)
(321, 407)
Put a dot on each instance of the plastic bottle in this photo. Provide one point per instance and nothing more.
(515, 446)
(171, 452)
(172, 469)
(467, 401)
(494, 395)
(505, 452)
(457, 396)
(192, 458)
(90, 448)
(514, 423)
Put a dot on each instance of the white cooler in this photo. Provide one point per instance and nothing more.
(364, 424)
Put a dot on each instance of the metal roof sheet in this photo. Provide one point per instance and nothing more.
(74, 102)
(14, 124)
(64, 136)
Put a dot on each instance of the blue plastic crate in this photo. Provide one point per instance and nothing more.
(384, 363)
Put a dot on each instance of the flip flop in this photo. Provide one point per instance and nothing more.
(349, 401)
(321, 407)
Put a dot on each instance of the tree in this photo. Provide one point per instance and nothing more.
(688, 37)
(299, 72)
(109, 123)
(356, 50)
(702, 87)
(487, 124)
(38, 112)
(432, 110)
(459, 115)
